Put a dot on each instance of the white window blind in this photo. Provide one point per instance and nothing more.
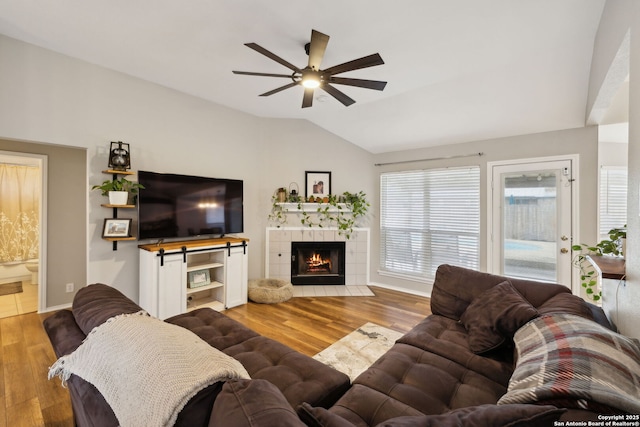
(428, 218)
(613, 199)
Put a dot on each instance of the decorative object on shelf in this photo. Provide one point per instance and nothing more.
(317, 184)
(281, 194)
(122, 185)
(613, 246)
(294, 192)
(199, 278)
(119, 156)
(116, 227)
(342, 215)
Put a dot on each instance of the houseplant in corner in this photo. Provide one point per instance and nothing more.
(613, 246)
(118, 190)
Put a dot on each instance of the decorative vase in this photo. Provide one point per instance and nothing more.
(282, 195)
(118, 197)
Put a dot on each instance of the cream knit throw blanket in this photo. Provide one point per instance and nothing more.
(146, 369)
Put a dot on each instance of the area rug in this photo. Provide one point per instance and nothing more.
(10, 288)
(354, 353)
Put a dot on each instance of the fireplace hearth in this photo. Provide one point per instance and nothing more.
(318, 263)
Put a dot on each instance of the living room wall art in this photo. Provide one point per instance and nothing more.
(317, 184)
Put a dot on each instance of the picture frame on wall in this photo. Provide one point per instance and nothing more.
(317, 184)
(199, 278)
(117, 227)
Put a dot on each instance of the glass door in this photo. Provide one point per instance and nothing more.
(532, 221)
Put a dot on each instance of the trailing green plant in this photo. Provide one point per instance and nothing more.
(342, 212)
(121, 184)
(588, 274)
(277, 213)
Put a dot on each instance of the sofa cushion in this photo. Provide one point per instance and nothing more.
(568, 361)
(252, 403)
(484, 416)
(96, 303)
(320, 417)
(455, 288)
(299, 377)
(494, 316)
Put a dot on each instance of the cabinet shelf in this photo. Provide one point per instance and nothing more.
(204, 266)
(205, 302)
(212, 285)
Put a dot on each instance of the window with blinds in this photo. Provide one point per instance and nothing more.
(428, 218)
(613, 199)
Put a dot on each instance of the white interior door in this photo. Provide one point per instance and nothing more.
(531, 220)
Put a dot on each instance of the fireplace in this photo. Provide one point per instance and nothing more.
(317, 263)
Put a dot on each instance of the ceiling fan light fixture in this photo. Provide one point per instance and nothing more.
(310, 79)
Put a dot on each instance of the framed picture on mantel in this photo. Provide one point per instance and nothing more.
(317, 184)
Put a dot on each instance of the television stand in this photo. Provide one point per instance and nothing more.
(176, 277)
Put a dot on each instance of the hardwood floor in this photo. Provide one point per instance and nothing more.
(308, 325)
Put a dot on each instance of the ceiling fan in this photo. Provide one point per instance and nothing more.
(312, 77)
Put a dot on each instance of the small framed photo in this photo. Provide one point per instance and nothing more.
(317, 184)
(199, 278)
(116, 227)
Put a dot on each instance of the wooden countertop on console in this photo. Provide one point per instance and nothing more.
(172, 246)
(611, 267)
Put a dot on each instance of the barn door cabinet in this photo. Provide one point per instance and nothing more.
(177, 277)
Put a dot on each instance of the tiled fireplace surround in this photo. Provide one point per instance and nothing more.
(278, 251)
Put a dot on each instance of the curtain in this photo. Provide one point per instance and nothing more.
(19, 212)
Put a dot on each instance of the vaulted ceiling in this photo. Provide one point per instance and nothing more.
(457, 70)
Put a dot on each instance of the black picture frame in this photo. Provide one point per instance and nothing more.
(317, 184)
(116, 227)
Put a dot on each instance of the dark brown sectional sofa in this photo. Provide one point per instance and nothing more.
(292, 377)
(451, 369)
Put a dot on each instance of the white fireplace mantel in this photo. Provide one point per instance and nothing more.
(278, 251)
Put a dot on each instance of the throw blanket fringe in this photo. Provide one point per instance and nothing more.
(146, 369)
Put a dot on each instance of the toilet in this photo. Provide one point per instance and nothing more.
(32, 266)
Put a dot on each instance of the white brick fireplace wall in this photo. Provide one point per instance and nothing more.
(278, 251)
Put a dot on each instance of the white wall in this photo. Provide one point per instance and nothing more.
(54, 99)
(619, 18)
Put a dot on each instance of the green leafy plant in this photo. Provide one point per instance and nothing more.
(588, 275)
(342, 212)
(122, 184)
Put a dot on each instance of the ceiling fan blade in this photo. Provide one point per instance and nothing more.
(340, 96)
(318, 46)
(356, 64)
(367, 84)
(250, 73)
(280, 89)
(271, 55)
(307, 99)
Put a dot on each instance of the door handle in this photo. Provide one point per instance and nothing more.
(564, 250)
(564, 238)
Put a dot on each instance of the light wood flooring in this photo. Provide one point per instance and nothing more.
(20, 303)
(306, 324)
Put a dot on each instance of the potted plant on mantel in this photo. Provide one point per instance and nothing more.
(615, 245)
(118, 190)
(341, 212)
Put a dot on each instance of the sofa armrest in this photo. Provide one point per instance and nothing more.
(63, 331)
(252, 402)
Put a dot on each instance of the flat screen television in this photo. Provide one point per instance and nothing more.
(186, 206)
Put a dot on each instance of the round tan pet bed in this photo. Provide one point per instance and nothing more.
(269, 291)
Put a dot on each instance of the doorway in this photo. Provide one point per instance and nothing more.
(531, 219)
(22, 226)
